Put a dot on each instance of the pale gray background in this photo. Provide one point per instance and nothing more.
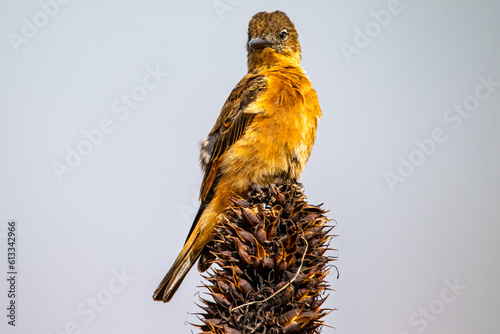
(129, 205)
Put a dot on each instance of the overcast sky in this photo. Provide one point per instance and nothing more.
(103, 105)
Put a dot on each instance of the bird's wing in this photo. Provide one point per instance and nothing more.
(234, 119)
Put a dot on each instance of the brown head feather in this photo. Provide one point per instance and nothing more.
(272, 39)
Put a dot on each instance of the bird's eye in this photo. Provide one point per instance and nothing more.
(283, 34)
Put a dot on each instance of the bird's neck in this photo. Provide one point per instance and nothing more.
(268, 58)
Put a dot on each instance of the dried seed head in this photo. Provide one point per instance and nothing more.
(270, 251)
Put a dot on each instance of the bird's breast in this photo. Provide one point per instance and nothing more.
(278, 142)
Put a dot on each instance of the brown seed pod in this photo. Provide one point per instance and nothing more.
(270, 265)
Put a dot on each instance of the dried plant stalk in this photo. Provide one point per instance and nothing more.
(270, 265)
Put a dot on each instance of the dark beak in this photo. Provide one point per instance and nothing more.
(259, 43)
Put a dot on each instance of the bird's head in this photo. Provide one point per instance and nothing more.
(272, 39)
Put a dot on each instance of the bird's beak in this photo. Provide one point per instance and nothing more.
(259, 43)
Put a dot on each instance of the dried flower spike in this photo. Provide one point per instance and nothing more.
(270, 265)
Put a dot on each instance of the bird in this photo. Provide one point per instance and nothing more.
(264, 135)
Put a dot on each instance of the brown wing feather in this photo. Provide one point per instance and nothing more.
(209, 178)
(231, 125)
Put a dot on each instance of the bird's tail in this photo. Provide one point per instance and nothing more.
(198, 237)
(173, 279)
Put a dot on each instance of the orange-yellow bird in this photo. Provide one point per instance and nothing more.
(264, 134)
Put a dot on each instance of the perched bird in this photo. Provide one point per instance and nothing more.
(264, 134)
